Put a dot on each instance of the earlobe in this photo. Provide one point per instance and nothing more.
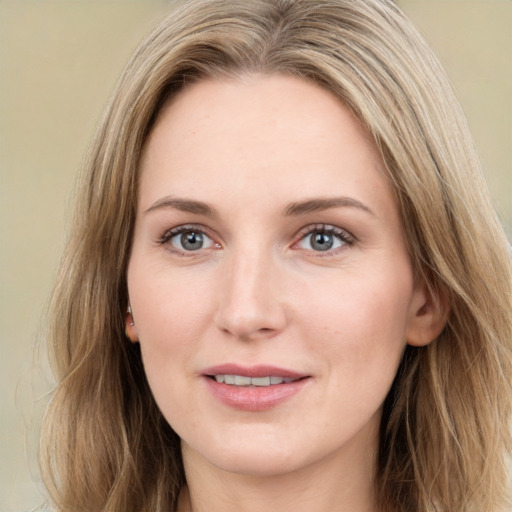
(428, 315)
(129, 326)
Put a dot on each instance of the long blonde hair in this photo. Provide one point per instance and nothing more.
(445, 428)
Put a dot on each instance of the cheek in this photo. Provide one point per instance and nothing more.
(168, 302)
(169, 334)
(373, 306)
(171, 313)
(360, 324)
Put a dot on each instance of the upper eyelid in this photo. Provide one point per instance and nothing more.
(306, 230)
(169, 233)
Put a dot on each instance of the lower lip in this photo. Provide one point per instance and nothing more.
(254, 398)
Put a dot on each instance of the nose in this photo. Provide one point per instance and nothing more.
(251, 302)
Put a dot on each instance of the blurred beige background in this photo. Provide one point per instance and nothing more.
(58, 63)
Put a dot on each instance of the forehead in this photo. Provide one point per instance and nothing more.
(283, 104)
(274, 134)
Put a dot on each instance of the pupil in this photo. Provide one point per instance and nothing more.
(192, 241)
(321, 242)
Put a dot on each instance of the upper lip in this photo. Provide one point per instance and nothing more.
(253, 371)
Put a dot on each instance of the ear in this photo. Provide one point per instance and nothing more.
(428, 314)
(130, 328)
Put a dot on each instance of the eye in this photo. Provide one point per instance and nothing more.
(324, 239)
(187, 239)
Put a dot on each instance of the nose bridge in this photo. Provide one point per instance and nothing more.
(250, 299)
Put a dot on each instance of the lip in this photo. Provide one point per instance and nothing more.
(254, 399)
(253, 371)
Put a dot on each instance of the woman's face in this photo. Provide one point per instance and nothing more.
(270, 284)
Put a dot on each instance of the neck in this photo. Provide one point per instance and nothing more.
(328, 485)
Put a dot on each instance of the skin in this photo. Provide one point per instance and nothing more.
(259, 292)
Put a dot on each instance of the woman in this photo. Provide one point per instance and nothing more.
(285, 286)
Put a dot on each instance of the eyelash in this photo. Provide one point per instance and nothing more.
(171, 233)
(343, 236)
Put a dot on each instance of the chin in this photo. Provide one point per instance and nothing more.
(260, 464)
(261, 458)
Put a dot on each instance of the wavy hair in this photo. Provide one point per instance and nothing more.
(445, 426)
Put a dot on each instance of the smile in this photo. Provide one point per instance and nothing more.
(242, 380)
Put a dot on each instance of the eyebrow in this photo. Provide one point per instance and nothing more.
(293, 209)
(184, 205)
(321, 204)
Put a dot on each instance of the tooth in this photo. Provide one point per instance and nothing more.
(261, 381)
(242, 380)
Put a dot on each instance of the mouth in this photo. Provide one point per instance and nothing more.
(254, 388)
(245, 381)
